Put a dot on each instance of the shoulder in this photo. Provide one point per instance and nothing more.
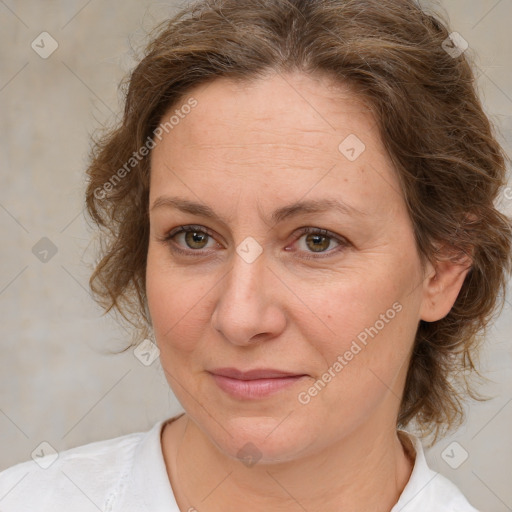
(81, 476)
(429, 490)
(448, 496)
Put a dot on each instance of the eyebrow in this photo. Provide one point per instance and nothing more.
(280, 214)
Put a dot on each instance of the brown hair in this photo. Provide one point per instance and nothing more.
(450, 166)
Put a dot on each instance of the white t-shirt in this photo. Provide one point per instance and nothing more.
(128, 474)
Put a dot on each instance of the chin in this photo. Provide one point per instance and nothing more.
(261, 439)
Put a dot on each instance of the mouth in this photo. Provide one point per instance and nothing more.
(254, 384)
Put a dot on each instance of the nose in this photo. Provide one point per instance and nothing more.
(248, 308)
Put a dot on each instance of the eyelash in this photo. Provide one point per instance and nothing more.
(168, 240)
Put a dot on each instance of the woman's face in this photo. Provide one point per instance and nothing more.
(250, 290)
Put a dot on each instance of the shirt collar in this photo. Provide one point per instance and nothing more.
(148, 484)
(416, 491)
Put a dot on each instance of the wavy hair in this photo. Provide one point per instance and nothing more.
(403, 64)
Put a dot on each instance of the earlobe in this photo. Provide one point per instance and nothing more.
(441, 287)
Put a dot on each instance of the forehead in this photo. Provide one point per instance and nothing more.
(293, 131)
(272, 109)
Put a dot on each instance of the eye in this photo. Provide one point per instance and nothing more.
(193, 238)
(317, 241)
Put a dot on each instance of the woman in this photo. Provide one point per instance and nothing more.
(299, 205)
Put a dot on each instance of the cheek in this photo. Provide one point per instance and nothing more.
(362, 330)
(341, 309)
(360, 367)
(169, 299)
(178, 304)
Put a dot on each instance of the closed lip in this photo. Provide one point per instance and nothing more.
(257, 373)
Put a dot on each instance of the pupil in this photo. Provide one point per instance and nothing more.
(316, 238)
(194, 238)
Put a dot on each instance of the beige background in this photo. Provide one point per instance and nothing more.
(55, 383)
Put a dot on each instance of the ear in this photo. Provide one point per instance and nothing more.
(441, 286)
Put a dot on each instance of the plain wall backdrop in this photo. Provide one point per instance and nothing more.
(57, 384)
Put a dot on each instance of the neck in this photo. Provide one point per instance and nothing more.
(366, 470)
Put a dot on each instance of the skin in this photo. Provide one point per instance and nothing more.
(245, 150)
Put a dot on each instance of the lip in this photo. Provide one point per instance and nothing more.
(254, 384)
(256, 373)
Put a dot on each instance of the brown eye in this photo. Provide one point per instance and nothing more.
(320, 241)
(317, 243)
(196, 239)
(189, 239)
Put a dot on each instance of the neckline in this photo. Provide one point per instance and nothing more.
(419, 477)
